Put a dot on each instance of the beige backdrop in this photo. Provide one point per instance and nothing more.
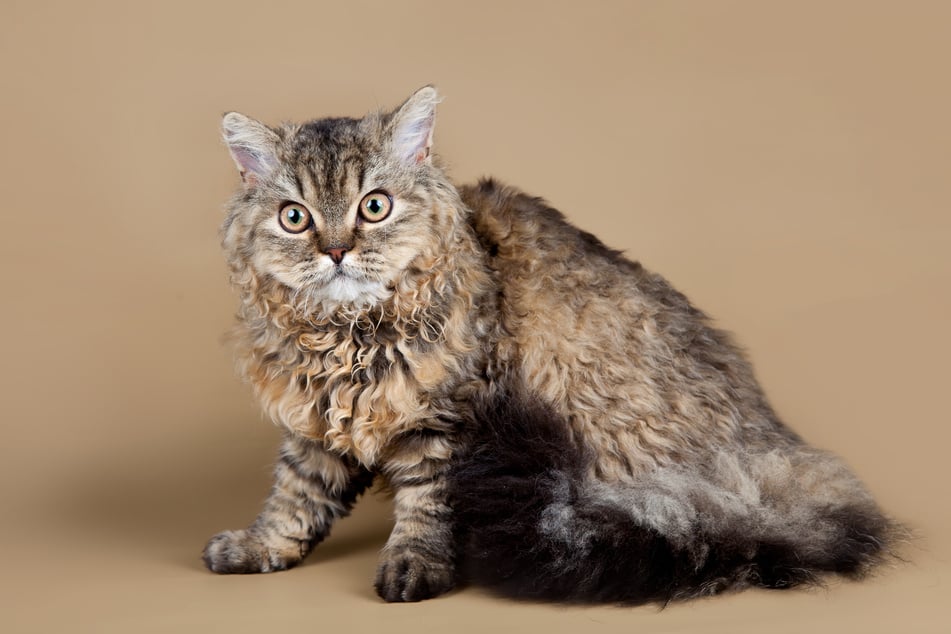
(785, 164)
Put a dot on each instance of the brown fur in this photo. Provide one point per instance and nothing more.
(462, 297)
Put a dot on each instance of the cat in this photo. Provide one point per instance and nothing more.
(553, 420)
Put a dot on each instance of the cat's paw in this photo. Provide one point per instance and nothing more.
(407, 576)
(245, 552)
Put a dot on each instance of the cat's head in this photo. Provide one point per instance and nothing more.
(335, 211)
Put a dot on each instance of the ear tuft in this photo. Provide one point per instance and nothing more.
(413, 126)
(252, 144)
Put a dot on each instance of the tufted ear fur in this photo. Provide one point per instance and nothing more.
(253, 146)
(412, 127)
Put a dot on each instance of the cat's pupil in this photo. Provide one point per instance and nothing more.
(294, 216)
(374, 206)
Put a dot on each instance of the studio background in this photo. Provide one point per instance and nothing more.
(786, 165)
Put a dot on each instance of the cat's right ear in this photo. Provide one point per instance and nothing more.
(253, 146)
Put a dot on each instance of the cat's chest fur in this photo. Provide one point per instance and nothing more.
(355, 389)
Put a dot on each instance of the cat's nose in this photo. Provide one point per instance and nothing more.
(336, 254)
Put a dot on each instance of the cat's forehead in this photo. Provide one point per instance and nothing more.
(329, 159)
(327, 140)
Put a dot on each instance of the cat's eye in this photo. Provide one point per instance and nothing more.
(294, 218)
(376, 206)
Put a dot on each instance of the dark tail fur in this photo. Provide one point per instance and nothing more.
(525, 528)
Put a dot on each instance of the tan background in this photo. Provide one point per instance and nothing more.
(785, 164)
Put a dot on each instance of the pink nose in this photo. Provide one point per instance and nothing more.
(336, 254)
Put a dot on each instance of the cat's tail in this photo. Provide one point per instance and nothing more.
(529, 526)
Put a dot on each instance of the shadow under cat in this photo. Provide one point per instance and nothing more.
(158, 509)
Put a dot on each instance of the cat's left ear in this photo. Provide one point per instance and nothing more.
(412, 126)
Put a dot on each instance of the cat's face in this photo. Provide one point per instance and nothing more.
(336, 210)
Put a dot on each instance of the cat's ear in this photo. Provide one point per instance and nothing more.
(252, 144)
(412, 126)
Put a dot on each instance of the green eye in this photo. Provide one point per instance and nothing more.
(294, 218)
(376, 206)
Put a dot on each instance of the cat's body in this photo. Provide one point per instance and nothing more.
(552, 418)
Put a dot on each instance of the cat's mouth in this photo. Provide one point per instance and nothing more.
(341, 274)
(340, 284)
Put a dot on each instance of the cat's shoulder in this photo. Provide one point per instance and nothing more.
(506, 219)
(501, 209)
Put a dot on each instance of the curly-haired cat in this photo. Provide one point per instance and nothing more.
(553, 420)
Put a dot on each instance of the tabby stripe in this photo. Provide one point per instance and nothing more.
(315, 480)
(294, 488)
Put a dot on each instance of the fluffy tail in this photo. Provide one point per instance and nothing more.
(527, 526)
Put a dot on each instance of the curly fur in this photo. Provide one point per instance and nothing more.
(551, 417)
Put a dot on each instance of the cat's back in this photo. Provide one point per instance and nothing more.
(610, 344)
(523, 233)
(545, 264)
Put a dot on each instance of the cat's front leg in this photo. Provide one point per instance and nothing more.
(312, 488)
(418, 561)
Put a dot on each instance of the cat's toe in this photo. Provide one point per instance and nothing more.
(240, 552)
(408, 576)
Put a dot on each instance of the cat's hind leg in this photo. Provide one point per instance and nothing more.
(312, 488)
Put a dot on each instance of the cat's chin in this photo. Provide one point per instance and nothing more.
(347, 291)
